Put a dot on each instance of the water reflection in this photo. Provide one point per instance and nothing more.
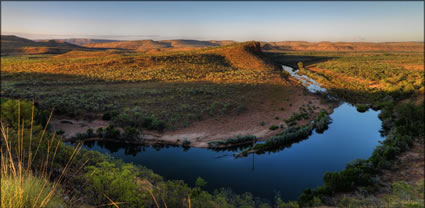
(289, 170)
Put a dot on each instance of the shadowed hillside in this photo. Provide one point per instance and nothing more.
(12, 45)
(245, 55)
(163, 45)
(342, 46)
(242, 62)
(82, 41)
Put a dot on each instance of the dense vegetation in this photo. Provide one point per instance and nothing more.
(380, 81)
(289, 136)
(369, 77)
(95, 179)
(144, 91)
(405, 124)
(392, 82)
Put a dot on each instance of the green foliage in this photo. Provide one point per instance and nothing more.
(186, 143)
(273, 127)
(29, 193)
(9, 113)
(404, 195)
(322, 121)
(124, 183)
(362, 108)
(200, 182)
(118, 183)
(369, 76)
(239, 140)
(363, 173)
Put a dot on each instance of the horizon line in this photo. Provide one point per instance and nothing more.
(105, 37)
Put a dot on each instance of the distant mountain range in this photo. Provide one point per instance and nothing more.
(342, 46)
(16, 45)
(83, 41)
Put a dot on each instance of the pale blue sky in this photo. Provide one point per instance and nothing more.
(241, 21)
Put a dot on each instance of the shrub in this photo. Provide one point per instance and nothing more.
(106, 117)
(322, 121)
(99, 132)
(362, 108)
(186, 143)
(273, 127)
(90, 133)
(157, 125)
(118, 183)
(60, 132)
(200, 182)
(112, 132)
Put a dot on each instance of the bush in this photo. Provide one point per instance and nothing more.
(322, 121)
(112, 133)
(99, 132)
(186, 143)
(118, 183)
(362, 108)
(130, 133)
(200, 182)
(9, 113)
(90, 133)
(273, 127)
(106, 117)
(157, 125)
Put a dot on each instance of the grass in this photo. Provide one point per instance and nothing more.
(23, 184)
(361, 77)
(27, 191)
(175, 89)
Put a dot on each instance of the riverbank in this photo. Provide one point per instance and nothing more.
(262, 121)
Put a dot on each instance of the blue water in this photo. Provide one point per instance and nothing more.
(352, 135)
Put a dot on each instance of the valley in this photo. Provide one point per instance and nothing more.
(239, 115)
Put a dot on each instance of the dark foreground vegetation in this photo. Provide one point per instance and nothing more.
(94, 179)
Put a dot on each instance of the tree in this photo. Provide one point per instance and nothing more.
(200, 182)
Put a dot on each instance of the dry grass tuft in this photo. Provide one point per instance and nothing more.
(23, 185)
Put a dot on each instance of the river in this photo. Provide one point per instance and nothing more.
(350, 136)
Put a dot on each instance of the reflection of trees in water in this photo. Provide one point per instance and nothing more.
(129, 149)
(282, 146)
(133, 149)
(236, 148)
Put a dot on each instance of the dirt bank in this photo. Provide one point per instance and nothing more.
(256, 121)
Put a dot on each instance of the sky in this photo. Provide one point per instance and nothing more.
(240, 21)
